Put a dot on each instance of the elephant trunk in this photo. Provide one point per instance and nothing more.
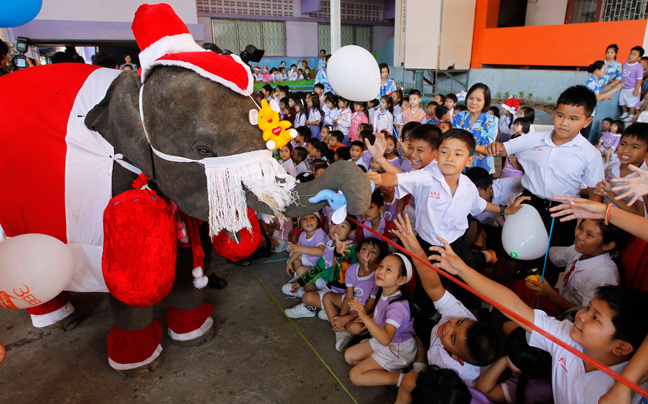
(342, 176)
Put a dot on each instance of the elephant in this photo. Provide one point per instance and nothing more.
(186, 115)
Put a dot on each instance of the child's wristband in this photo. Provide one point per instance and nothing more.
(607, 214)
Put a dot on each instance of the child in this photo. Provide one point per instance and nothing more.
(303, 136)
(310, 246)
(632, 78)
(281, 76)
(605, 128)
(609, 330)
(301, 75)
(436, 385)
(360, 286)
(390, 152)
(300, 113)
(430, 108)
(493, 110)
(383, 117)
(371, 109)
(588, 265)
(335, 140)
(531, 379)
(373, 218)
(343, 121)
(579, 161)
(265, 76)
(403, 143)
(450, 102)
(442, 114)
(392, 346)
(267, 90)
(633, 149)
(512, 168)
(610, 140)
(445, 126)
(327, 274)
(317, 167)
(285, 153)
(307, 73)
(314, 119)
(509, 110)
(444, 198)
(356, 151)
(440, 99)
(284, 109)
(458, 341)
(414, 112)
(391, 206)
(293, 74)
(332, 112)
(342, 153)
(257, 73)
(397, 102)
(359, 117)
(299, 155)
(528, 113)
(325, 133)
(375, 166)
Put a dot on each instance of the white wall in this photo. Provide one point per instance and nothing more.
(108, 10)
(421, 34)
(457, 26)
(301, 39)
(546, 12)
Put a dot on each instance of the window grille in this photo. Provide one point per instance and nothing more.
(235, 35)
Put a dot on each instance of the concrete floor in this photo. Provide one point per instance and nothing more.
(256, 357)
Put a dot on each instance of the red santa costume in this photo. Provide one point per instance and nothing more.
(59, 172)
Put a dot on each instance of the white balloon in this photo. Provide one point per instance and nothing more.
(354, 74)
(524, 235)
(34, 268)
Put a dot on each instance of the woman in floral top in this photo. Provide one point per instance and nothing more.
(479, 122)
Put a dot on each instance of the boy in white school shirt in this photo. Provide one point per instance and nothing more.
(556, 163)
(609, 330)
(444, 199)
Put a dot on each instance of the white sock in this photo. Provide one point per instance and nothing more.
(300, 292)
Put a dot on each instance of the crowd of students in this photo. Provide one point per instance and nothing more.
(395, 319)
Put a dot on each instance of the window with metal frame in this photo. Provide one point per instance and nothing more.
(360, 35)
(235, 35)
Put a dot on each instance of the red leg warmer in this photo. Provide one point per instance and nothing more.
(185, 325)
(52, 311)
(132, 349)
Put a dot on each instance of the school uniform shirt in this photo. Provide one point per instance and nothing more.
(358, 118)
(570, 383)
(318, 239)
(613, 71)
(300, 120)
(344, 121)
(438, 212)
(609, 140)
(390, 210)
(484, 130)
(551, 170)
(582, 277)
(382, 121)
(449, 308)
(505, 128)
(281, 77)
(314, 115)
(631, 74)
(293, 75)
(330, 115)
(364, 287)
(595, 85)
(409, 116)
(302, 168)
(398, 115)
(396, 314)
(397, 162)
(289, 166)
(505, 192)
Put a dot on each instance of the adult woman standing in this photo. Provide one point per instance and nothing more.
(597, 72)
(387, 85)
(479, 122)
(613, 69)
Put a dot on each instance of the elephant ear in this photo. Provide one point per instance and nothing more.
(117, 119)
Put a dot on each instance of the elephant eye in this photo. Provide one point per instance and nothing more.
(205, 151)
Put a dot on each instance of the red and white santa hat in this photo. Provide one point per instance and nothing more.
(512, 105)
(165, 41)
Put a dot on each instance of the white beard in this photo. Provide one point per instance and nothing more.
(264, 177)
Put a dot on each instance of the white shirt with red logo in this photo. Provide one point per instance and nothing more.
(551, 170)
(438, 212)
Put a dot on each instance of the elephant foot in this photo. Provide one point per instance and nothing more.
(198, 341)
(64, 325)
(144, 370)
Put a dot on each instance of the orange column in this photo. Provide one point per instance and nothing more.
(486, 16)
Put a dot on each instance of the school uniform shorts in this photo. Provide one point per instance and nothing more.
(395, 356)
(628, 99)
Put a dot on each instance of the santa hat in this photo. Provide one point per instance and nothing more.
(257, 68)
(165, 41)
(512, 105)
(265, 68)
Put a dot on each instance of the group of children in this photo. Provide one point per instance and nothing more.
(420, 331)
(281, 74)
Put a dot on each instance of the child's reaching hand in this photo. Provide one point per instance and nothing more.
(403, 230)
(359, 308)
(377, 150)
(541, 290)
(375, 177)
(494, 148)
(517, 205)
(602, 188)
(447, 259)
(342, 247)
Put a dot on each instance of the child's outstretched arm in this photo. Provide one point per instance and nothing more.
(488, 382)
(429, 278)
(496, 149)
(511, 210)
(450, 262)
(386, 179)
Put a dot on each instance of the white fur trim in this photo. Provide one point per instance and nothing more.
(167, 45)
(200, 280)
(247, 91)
(192, 334)
(44, 320)
(128, 366)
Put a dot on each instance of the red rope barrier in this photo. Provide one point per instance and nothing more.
(617, 376)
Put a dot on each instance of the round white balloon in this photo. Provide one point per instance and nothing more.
(354, 74)
(34, 268)
(524, 235)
